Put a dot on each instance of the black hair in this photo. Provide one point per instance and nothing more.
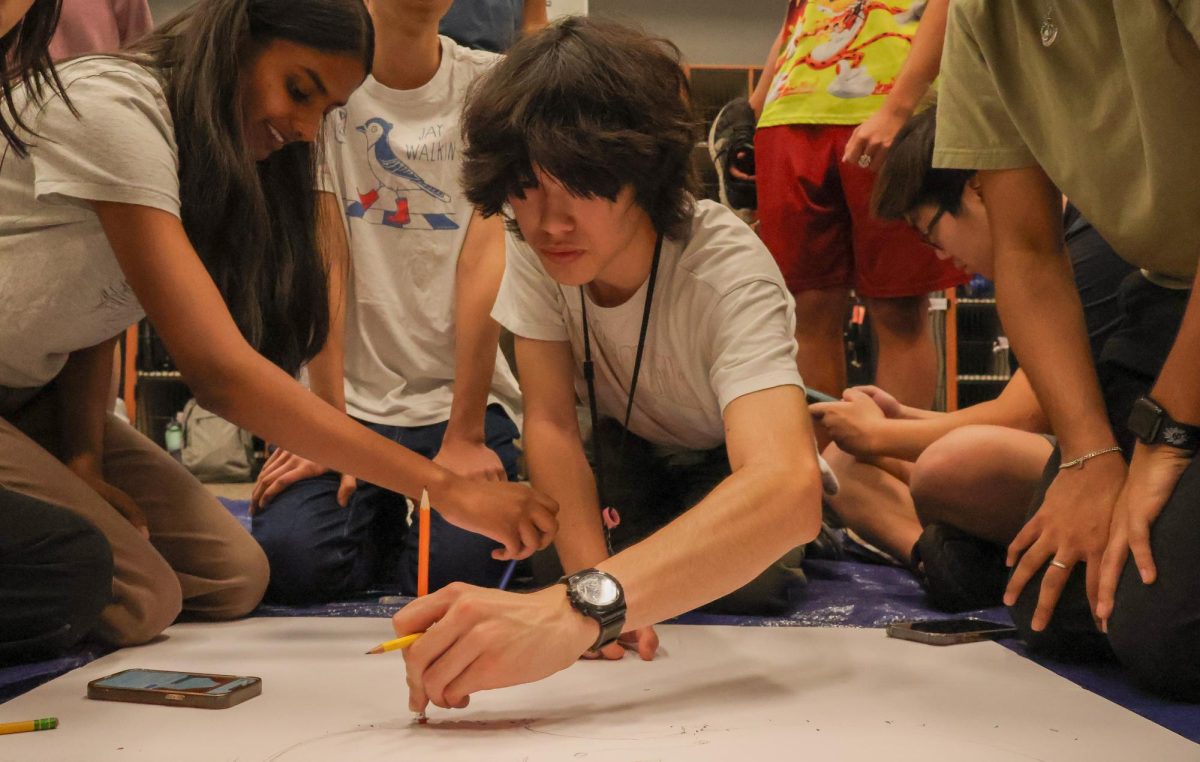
(25, 61)
(594, 104)
(907, 179)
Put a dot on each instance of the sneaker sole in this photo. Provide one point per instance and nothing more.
(722, 195)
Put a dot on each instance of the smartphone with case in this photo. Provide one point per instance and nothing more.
(949, 632)
(153, 686)
(812, 396)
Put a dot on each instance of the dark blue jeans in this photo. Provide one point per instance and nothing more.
(320, 551)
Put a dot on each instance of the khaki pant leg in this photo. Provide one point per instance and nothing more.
(221, 569)
(146, 595)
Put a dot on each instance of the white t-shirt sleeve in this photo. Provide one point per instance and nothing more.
(753, 342)
(329, 157)
(529, 302)
(121, 148)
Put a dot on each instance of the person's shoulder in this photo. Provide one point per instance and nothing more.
(471, 58)
(723, 253)
(517, 248)
(111, 72)
(983, 18)
(971, 10)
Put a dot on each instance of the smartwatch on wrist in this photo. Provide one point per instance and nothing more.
(1153, 426)
(598, 595)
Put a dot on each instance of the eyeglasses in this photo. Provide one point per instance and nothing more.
(927, 233)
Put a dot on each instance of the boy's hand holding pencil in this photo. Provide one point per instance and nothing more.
(487, 639)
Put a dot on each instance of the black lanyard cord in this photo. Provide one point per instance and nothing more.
(589, 377)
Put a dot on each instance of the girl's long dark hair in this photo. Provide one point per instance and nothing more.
(25, 61)
(253, 224)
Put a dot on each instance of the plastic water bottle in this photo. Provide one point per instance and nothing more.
(173, 437)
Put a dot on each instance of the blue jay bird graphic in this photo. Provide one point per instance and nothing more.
(389, 170)
(392, 174)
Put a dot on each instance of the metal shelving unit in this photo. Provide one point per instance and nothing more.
(978, 361)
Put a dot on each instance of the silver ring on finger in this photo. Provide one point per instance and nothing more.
(864, 161)
(1059, 564)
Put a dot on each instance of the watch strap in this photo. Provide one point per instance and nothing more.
(1153, 426)
(609, 632)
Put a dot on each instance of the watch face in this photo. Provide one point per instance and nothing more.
(1144, 419)
(597, 589)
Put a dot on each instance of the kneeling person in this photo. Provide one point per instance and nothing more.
(617, 276)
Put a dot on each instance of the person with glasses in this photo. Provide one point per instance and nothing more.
(945, 493)
(1100, 101)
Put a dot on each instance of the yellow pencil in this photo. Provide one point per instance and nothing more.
(397, 644)
(48, 723)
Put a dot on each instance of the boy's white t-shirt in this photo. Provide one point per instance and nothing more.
(722, 325)
(61, 288)
(393, 158)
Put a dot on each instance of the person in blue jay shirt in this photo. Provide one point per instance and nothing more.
(414, 351)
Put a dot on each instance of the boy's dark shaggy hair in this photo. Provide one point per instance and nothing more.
(907, 179)
(595, 105)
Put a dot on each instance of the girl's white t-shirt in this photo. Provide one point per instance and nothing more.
(61, 288)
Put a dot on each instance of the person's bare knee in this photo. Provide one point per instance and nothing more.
(821, 312)
(943, 471)
(979, 479)
(904, 319)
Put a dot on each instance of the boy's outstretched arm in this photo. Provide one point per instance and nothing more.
(770, 503)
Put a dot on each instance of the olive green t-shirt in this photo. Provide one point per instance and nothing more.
(1110, 111)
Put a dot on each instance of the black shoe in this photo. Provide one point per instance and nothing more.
(731, 144)
(960, 572)
(828, 546)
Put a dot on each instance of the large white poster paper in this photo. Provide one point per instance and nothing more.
(717, 693)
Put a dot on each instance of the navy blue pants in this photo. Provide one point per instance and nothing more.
(320, 551)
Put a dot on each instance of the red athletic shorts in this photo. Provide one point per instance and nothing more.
(815, 218)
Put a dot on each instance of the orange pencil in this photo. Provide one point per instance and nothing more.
(423, 545)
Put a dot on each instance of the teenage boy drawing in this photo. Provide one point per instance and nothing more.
(583, 135)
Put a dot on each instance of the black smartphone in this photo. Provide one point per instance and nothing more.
(948, 632)
(154, 686)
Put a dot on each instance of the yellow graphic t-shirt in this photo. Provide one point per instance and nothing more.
(840, 61)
